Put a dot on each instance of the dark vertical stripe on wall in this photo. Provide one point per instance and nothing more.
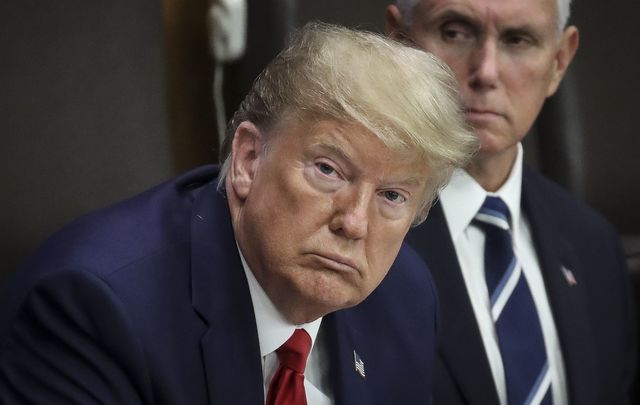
(560, 138)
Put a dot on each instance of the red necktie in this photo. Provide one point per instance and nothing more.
(287, 385)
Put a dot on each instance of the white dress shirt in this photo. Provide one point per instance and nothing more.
(461, 200)
(274, 330)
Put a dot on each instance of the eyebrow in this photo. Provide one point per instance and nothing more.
(411, 181)
(332, 147)
(457, 16)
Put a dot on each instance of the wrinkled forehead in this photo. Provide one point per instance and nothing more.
(350, 141)
(345, 130)
(509, 13)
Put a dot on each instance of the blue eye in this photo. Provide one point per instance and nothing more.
(325, 168)
(392, 195)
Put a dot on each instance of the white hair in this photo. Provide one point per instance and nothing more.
(407, 7)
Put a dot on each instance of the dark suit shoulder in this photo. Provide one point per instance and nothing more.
(109, 295)
(150, 229)
(567, 231)
(573, 211)
(114, 236)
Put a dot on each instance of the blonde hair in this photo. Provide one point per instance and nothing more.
(404, 96)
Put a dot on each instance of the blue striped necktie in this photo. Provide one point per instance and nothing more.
(513, 311)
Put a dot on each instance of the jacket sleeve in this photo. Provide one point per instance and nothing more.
(70, 342)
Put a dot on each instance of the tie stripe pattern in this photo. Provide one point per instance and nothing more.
(287, 385)
(513, 311)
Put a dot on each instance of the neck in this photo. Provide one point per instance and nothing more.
(300, 317)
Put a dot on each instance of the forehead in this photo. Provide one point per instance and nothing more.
(509, 13)
(347, 138)
(354, 145)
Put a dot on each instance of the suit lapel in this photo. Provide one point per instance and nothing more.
(348, 386)
(568, 302)
(461, 348)
(220, 295)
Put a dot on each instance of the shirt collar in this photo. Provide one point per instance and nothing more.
(273, 328)
(463, 196)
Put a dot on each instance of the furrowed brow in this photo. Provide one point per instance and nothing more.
(333, 148)
(458, 17)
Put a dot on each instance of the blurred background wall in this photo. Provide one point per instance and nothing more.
(83, 112)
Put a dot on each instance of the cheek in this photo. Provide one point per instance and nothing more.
(289, 201)
(529, 79)
(274, 214)
(292, 221)
(527, 84)
(455, 58)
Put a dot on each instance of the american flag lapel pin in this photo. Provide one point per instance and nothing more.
(569, 277)
(359, 364)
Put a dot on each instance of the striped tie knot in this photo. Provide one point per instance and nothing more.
(494, 212)
(494, 219)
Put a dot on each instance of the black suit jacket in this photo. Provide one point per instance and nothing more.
(593, 317)
(146, 302)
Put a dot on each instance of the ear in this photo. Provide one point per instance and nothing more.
(247, 149)
(565, 53)
(394, 25)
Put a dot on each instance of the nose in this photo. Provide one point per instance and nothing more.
(351, 213)
(484, 66)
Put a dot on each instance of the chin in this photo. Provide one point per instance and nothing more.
(335, 300)
(330, 297)
(491, 146)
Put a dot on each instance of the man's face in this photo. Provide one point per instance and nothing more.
(323, 212)
(506, 55)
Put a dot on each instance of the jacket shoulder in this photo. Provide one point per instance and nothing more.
(149, 229)
(123, 232)
(540, 192)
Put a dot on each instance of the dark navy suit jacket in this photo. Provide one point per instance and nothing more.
(146, 302)
(593, 317)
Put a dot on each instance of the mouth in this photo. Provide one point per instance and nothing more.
(482, 113)
(335, 262)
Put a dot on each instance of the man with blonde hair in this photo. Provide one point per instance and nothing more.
(246, 285)
(533, 284)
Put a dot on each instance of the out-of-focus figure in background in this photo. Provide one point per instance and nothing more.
(533, 283)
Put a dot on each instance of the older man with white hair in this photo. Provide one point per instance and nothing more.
(533, 283)
(245, 284)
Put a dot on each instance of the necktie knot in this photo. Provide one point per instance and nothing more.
(494, 213)
(287, 385)
(294, 352)
(493, 218)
